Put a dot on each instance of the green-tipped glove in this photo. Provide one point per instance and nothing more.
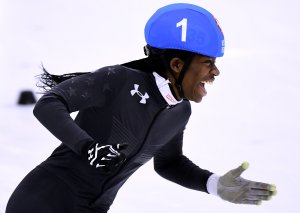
(233, 188)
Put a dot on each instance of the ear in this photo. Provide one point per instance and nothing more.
(176, 65)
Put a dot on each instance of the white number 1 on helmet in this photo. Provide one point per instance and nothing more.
(183, 25)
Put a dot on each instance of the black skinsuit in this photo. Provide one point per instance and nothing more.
(116, 105)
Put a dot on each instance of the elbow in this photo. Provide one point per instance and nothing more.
(165, 167)
(37, 109)
(160, 166)
(41, 105)
(46, 104)
(157, 166)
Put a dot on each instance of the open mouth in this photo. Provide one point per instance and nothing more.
(202, 90)
(201, 86)
(210, 81)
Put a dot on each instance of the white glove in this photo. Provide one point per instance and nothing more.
(233, 188)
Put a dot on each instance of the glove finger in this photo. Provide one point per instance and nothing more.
(263, 186)
(251, 202)
(259, 192)
(116, 161)
(105, 168)
(119, 146)
(239, 170)
(258, 197)
(122, 146)
(108, 157)
(263, 197)
(101, 165)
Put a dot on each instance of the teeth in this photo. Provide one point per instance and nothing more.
(206, 82)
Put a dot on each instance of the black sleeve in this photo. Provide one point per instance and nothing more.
(171, 164)
(94, 89)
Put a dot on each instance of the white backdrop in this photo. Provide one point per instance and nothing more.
(251, 112)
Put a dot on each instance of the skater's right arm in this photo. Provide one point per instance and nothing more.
(94, 89)
(52, 111)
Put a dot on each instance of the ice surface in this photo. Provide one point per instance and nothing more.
(251, 112)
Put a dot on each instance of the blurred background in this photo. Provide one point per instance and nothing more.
(251, 112)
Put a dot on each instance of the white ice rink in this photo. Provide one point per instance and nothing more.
(251, 112)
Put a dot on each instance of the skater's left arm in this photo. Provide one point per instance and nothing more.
(172, 164)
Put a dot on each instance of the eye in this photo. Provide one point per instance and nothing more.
(210, 63)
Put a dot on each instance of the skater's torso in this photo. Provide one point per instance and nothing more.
(124, 107)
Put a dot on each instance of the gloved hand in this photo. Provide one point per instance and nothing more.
(106, 157)
(233, 188)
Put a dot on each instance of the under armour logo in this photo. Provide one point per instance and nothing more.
(135, 91)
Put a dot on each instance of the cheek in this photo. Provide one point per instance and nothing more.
(189, 86)
(193, 77)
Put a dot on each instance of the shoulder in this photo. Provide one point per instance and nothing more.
(118, 69)
(186, 105)
(119, 72)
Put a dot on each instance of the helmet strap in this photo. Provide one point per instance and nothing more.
(152, 51)
(178, 82)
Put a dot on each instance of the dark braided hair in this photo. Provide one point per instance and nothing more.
(46, 80)
(157, 60)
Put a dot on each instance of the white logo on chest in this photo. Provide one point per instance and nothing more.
(143, 97)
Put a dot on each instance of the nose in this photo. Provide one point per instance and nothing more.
(215, 71)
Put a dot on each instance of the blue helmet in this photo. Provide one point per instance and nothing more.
(185, 27)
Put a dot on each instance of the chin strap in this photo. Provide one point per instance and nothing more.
(178, 82)
(148, 50)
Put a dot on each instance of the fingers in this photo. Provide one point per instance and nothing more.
(260, 195)
(121, 146)
(106, 158)
(251, 202)
(113, 161)
(256, 200)
(259, 192)
(233, 188)
(263, 186)
(238, 171)
(262, 192)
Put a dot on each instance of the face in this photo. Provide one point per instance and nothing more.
(202, 70)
